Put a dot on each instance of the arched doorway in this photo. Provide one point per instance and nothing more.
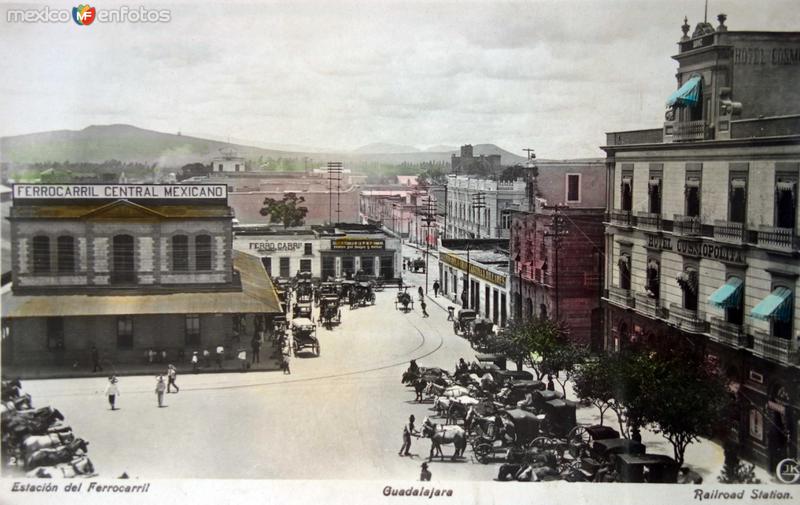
(122, 263)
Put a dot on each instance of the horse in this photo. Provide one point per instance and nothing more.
(444, 435)
(78, 467)
(56, 455)
(33, 443)
(459, 407)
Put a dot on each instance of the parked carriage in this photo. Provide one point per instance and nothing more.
(346, 286)
(480, 330)
(328, 288)
(518, 391)
(303, 310)
(361, 295)
(304, 288)
(463, 322)
(417, 265)
(329, 312)
(520, 428)
(304, 334)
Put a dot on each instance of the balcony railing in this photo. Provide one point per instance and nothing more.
(649, 306)
(781, 239)
(727, 333)
(621, 218)
(773, 348)
(621, 296)
(648, 221)
(687, 225)
(729, 231)
(690, 321)
(688, 130)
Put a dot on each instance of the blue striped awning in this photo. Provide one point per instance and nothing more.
(777, 305)
(687, 95)
(728, 296)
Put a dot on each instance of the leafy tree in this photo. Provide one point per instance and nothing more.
(634, 374)
(536, 338)
(287, 210)
(592, 382)
(564, 357)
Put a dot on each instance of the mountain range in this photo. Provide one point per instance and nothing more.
(98, 143)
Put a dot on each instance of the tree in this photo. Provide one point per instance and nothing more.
(564, 357)
(537, 338)
(287, 210)
(193, 170)
(592, 382)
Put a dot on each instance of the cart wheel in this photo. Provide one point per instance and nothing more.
(579, 435)
(482, 453)
(542, 444)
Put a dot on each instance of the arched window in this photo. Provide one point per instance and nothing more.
(41, 254)
(624, 265)
(66, 254)
(653, 283)
(202, 252)
(180, 253)
(687, 280)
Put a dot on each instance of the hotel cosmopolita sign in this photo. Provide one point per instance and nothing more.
(697, 249)
(112, 191)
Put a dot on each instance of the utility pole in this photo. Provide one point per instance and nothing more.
(334, 173)
(428, 219)
(557, 232)
(478, 204)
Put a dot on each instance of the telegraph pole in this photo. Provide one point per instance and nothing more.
(334, 173)
(479, 203)
(557, 232)
(428, 219)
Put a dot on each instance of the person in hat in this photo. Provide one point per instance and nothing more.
(160, 388)
(242, 356)
(172, 374)
(112, 391)
(195, 361)
(424, 474)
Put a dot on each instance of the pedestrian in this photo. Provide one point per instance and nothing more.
(220, 354)
(424, 474)
(404, 265)
(206, 358)
(96, 360)
(451, 311)
(160, 388)
(242, 356)
(421, 293)
(172, 374)
(194, 362)
(550, 385)
(435, 288)
(256, 350)
(408, 430)
(424, 307)
(285, 364)
(112, 391)
(163, 355)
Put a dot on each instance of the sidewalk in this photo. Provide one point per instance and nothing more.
(268, 362)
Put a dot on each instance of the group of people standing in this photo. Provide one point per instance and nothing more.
(112, 388)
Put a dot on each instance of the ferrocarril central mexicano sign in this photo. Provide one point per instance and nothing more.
(127, 191)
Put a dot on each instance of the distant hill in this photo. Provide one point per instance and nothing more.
(440, 149)
(382, 148)
(126, 143)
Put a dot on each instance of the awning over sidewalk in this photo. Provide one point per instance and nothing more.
(687, 95)
(777, 305)
(727, 296)
(257, 295)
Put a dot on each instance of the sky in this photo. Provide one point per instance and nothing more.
(549, 75)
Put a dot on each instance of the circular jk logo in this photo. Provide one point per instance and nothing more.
(788, 471)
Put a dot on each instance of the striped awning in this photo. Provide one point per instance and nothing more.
(687, 95)
(777, 305)
(729, 295)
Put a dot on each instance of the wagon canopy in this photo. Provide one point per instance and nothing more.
(302, 322)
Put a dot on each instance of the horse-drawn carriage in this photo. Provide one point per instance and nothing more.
(304, 334)
(417, 265)
(361, 295)
(519, 393)
(346, 287)
(512, 428)
(463, 322)
(304, 289)
(302, 310)
(327, 288)
(329, 312)
(404, 301)
(479, 332)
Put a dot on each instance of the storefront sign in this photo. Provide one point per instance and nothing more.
(696, 249)
(111, 191)
(357, 243)
(268, 247)
(479, 272)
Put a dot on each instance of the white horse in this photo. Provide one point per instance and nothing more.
(33, 443)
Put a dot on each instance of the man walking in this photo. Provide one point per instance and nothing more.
(195, 361)
(172, 374)
(96, 360)
(424, 307)
(160, 387)
(112, 391)
(435, 288)
(421, 293)
(408, 430)
(220, 353)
